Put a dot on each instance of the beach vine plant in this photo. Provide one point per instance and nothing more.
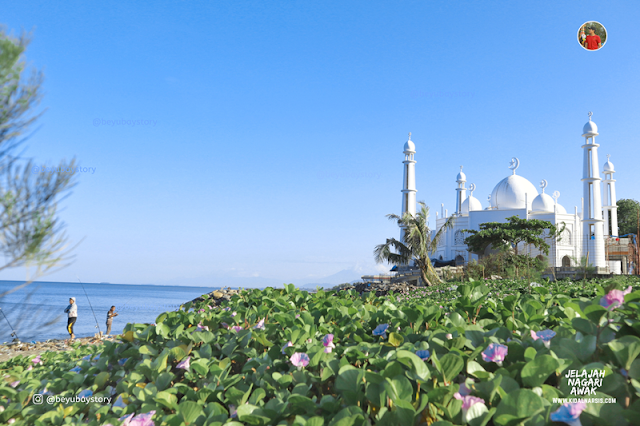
(472, 354)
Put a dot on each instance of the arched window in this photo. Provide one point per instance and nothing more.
(459, 260)
(566, 261)
(459, 238)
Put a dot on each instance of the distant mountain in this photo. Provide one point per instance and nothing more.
(344, 276)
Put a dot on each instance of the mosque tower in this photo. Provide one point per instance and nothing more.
(610, 209)
(409, 182)
(592, 228)
(461, 191)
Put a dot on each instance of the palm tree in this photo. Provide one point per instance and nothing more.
(418, 243)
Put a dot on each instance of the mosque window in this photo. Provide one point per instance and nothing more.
(565, 238)
(459, 238)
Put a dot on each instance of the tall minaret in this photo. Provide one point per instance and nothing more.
(610, 209)
(461, 191)
(409, 182)
(592, 229)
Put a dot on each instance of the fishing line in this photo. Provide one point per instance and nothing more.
(13, 331)
(94, 314)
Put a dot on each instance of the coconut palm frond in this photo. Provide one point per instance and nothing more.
(383, 252)
(438, 235)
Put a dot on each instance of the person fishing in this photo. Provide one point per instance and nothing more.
(72, 310)
(110, 314)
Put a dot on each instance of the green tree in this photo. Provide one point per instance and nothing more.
(419, 242)
(628, 216)
(507, 237)
(30, 231)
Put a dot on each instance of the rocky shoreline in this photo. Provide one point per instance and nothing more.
(11, 349)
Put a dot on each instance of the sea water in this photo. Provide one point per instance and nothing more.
(36, 312)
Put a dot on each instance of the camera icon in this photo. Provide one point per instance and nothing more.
(37, 399)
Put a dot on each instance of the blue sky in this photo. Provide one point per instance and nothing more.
(274, 148)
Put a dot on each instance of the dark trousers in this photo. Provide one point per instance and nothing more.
(108, 327)
(70, 322)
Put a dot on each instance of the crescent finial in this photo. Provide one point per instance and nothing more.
(556, 195)
(543, 185)
(514, 164)
(472, 188)
(409, 135)
(590, 114)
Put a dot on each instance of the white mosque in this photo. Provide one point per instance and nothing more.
(585, 231)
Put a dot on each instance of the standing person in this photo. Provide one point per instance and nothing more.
(72, 310)
(110, 314)
(593, 40)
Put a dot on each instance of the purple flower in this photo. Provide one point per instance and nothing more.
(614, 298)
(495, 353)
(465, 390)
(139, 420)
(381, 330)
(37, 360)
(202, 327)
(120, 403)
(201, 310)
(237, 328)
(225, 325)
(234, 314)
(184, 364)
(297, 315)
(300, 360)
(545, 335)
(423, 354)
(327, 341)
(569, 413)
(260, 325)
(227, 309)
(289, 344)
(14, 384)
(232, 411)
(209, 306)
(468, 401)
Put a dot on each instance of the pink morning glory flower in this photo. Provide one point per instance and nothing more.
(614, 298)
(300, 360)
(449, 336)
(423, 354)
(37, 360)
(468, 401)
(545, 335)
(381, 330)
(297, 315)
(289, 344)
(202, 327)
(234, 314)
(225, 325)
(184, 364)
(139, 420)
(227, 309)
(569, 413)
(495, 353)
(14, 384)
(30, 368)
(237, 328)
(209, 306)
(327, 341)
(260, 325)
(201, 310)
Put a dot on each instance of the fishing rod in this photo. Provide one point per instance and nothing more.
(13, 331)
(94, 314)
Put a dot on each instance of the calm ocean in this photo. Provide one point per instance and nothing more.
(29, 309)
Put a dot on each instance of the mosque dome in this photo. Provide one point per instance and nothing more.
(470, 204)
(590, 129)
(543, 203)
(560, 209)
(510, 192)
(608, 167)
(461, 176)
(409, 146)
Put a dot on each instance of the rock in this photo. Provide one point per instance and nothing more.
(496, 277)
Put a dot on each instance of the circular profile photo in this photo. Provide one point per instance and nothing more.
(592, 35)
